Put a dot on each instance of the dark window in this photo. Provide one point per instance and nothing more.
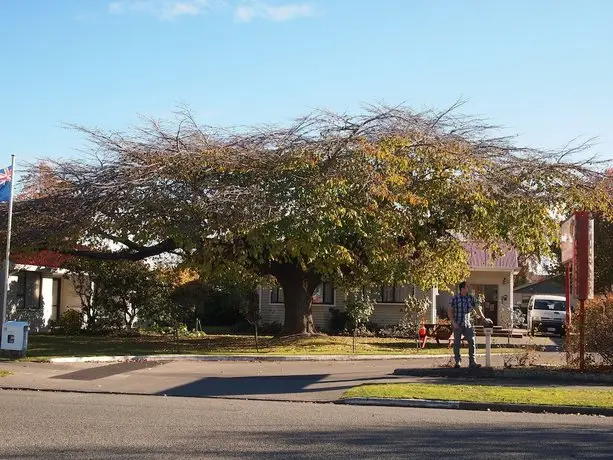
(28, 290)
(276, 295)
(391, 294)
(324, 294)
(550, 305)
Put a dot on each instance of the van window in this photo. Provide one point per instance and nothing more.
(555, 305)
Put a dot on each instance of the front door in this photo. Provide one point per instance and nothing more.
(490, 305)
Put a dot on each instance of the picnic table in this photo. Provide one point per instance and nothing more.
(438, 331)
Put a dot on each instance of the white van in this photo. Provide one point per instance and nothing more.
(547, 313)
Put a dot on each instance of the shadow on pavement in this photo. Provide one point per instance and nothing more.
(100, 372)
(414, 441)
(266, 385)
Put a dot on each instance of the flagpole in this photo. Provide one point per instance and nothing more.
(8, 247)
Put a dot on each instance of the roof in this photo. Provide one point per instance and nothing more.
(551, 285)
(478, 257)
(42, 258)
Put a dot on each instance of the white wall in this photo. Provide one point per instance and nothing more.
(46, 294)
(69, 299)
(504, 281)
(391, 313)
(385, 314)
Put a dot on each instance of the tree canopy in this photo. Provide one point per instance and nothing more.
(385, 196)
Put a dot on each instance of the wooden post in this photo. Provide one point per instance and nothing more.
(582, 335)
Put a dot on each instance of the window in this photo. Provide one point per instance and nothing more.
(28, 290)
(392, 294)
(324, 294)
(550, 305)
(276, 295)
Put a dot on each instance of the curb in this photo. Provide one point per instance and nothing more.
(464, 405)
(270, 358)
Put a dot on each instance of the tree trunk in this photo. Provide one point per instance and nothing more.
(298, 288)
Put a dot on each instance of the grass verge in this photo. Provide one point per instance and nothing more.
(43, 346)
(590, 397)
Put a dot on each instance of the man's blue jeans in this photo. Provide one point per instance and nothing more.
(469, 334)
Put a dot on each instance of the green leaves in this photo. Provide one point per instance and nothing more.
(385, 196)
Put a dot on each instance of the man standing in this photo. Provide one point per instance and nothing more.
(459, 312)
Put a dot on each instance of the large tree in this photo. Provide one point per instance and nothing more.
(386, 196)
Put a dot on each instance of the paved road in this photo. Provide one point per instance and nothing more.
(43, 425)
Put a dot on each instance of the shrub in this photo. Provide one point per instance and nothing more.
(338, 321)
(70, 323)
(359, 308)
(598, 329)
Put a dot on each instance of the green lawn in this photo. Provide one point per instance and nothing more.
(42, 346)
(592, 397)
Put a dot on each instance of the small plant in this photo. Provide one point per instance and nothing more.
(359, 308)
(519, 319)
(71, 322)
(526, 358)
(480, 300)
(338, 321)
(598, 336)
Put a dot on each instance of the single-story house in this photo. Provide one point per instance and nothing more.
(40, 290)
(493, 278)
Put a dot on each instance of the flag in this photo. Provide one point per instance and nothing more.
(6, 177)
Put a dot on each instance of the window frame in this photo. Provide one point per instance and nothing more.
(327, 291)
(328, 295)
(396, 291)
(22, 282)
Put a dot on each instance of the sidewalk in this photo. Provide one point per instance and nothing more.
(303, 381)
(318, 379)
(315, 381)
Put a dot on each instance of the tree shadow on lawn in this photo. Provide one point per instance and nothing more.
(409, 344)
(46, 345)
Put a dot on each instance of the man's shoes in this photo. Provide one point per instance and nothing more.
(457, 366)
(474, 365)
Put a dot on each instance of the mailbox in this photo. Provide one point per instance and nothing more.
(15, 336)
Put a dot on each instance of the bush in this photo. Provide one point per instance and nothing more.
(338, 321)
(340, 324)
(359, 307)
(598, 329)
(70, 323)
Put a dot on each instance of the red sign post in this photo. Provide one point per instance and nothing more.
(577, 242)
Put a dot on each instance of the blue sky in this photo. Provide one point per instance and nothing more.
(543, 69)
